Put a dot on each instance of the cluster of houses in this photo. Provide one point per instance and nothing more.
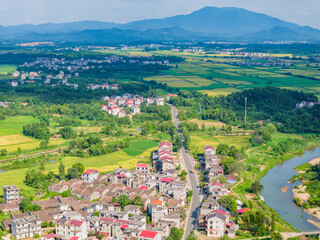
(103, 86)
(92, 213)
(116, 105)
(213, 218)
(305, 104)
(5, 104)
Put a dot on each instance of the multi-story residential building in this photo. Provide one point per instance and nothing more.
(10, 193)
(25, 227)
(142, 167)
(71, 225)
(90, 175)
(135, 110)
(216, 223)
(159, 101)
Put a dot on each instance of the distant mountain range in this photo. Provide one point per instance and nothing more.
(206, 24)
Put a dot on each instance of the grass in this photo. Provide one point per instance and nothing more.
(138, 147)
(14, 139)
(5, 68)
(13, 125)
(198, 140)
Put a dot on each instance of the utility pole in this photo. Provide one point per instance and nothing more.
(245, 110)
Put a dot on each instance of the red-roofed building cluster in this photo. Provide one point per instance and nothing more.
(162, 158)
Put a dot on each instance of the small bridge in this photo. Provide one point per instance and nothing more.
(287, 235)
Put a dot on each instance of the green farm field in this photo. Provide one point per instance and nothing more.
(13, 125)
(4, 68)
(11, 137)
(199, 140)
(200, 72)
(109, 162)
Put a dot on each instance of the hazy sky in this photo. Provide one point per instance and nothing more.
(13, 12)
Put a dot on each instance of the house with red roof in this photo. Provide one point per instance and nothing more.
(90, 175)
(50, 236)
(232, 180)
(147, 235)
(104, 107)
(170, 96)
(165, 146)
(142, 167)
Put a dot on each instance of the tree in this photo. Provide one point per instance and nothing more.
(107, 129)
(66, 193)
(24, 203)
(223, 149)
(96, 213)
(192, 236)
(80, 168)
(42, 167)
(19, 151)
(228, 202)
(256, 140)
(124, 200)
(183, 174)
(62, 171)
(44, 144)
(175, 234)
(72, 173)
(67, 132)
(276, 236)
(114, 199)
(3, 152)
(256, 187)
(137, 201)
(178, 141)
(237, 168)
(265, 134)
(272, 128)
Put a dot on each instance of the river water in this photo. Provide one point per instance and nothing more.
(276, 179)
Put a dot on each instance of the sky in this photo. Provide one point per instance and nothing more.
(14, 12)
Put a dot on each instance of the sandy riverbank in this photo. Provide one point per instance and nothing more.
(315, 161)
(301, 193)
(304, 196)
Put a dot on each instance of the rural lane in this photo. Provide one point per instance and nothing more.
(194, 209)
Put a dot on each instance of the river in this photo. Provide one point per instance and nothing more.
(277, 178)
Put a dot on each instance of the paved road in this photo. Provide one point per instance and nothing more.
(194, 210)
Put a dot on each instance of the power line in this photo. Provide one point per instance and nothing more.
(245, 110)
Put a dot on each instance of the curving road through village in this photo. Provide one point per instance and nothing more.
(194, 210)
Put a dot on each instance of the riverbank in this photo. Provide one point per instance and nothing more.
(278, 191)
(300, 195)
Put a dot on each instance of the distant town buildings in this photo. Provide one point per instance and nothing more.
(305, 104)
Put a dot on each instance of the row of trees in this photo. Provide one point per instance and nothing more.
(37, 178)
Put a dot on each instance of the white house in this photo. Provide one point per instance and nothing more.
(90, 175)
(142, 167)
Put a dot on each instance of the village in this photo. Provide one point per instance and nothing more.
(128, 103)
(144, 203)
(59, 71)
